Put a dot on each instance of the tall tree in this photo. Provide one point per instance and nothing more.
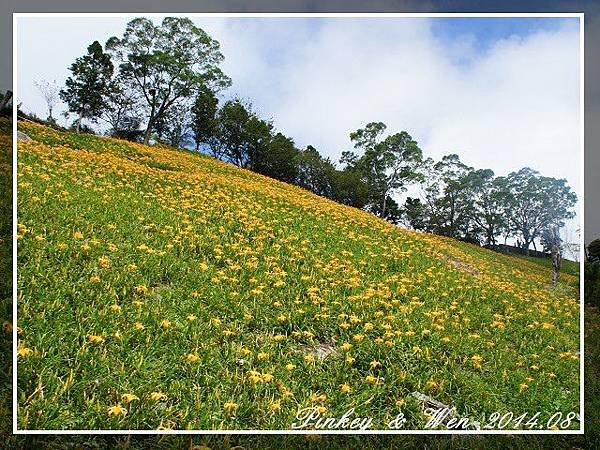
(172, 128)
(415, 214)
(242, 136)
(488, 195)
(232, 118)
(49, 91)
(167, 62)
(86, 89)
(203, 122)
(553, 243)
(537, 202)
(348, 188)
(120, 113)
(448, 197)
(314, 172)
(6, 103)
(387, 165)
(593, 251)
(277, 159)
(263, 152)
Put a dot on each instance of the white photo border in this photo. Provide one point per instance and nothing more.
(580, 431)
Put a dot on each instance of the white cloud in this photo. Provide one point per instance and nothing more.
(515, 105)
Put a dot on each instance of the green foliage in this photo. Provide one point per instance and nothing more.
(567, 266)
(89, 84)
(319, 175)
(386, 165)
(314, 172)
(348, 188)
(242, 136)
(415, 213)
(536, 202)
(203, 121)
(472, 205)
(449, 197)
(6, 103)
(278, 159)
(488, 208)
(167, 62)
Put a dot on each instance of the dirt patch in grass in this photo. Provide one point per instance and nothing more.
(461, 265)
(320, 351)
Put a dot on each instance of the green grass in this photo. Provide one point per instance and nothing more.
(567, 266)
(133, 258)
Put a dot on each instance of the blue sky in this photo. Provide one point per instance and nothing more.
(488, 30)
(484, 33)
(481, 33)
(502, 93)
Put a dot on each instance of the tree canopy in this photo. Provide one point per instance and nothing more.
(536, 202)
(166, 62)
(386, 165)
(90, 83)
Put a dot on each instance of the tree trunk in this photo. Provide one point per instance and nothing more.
(384, 204)
(526, 243)
(490, 238)
(147, 133)
(556, 260)
(78, 127)
(525, 246)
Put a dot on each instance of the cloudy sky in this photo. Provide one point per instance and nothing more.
(503, 93)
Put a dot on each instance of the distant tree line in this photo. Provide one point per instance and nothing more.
(162, 83)
(476, 206)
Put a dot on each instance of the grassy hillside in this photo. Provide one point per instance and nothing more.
(158, 288)
(566, 266)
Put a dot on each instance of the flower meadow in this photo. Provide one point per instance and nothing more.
(159, 288)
